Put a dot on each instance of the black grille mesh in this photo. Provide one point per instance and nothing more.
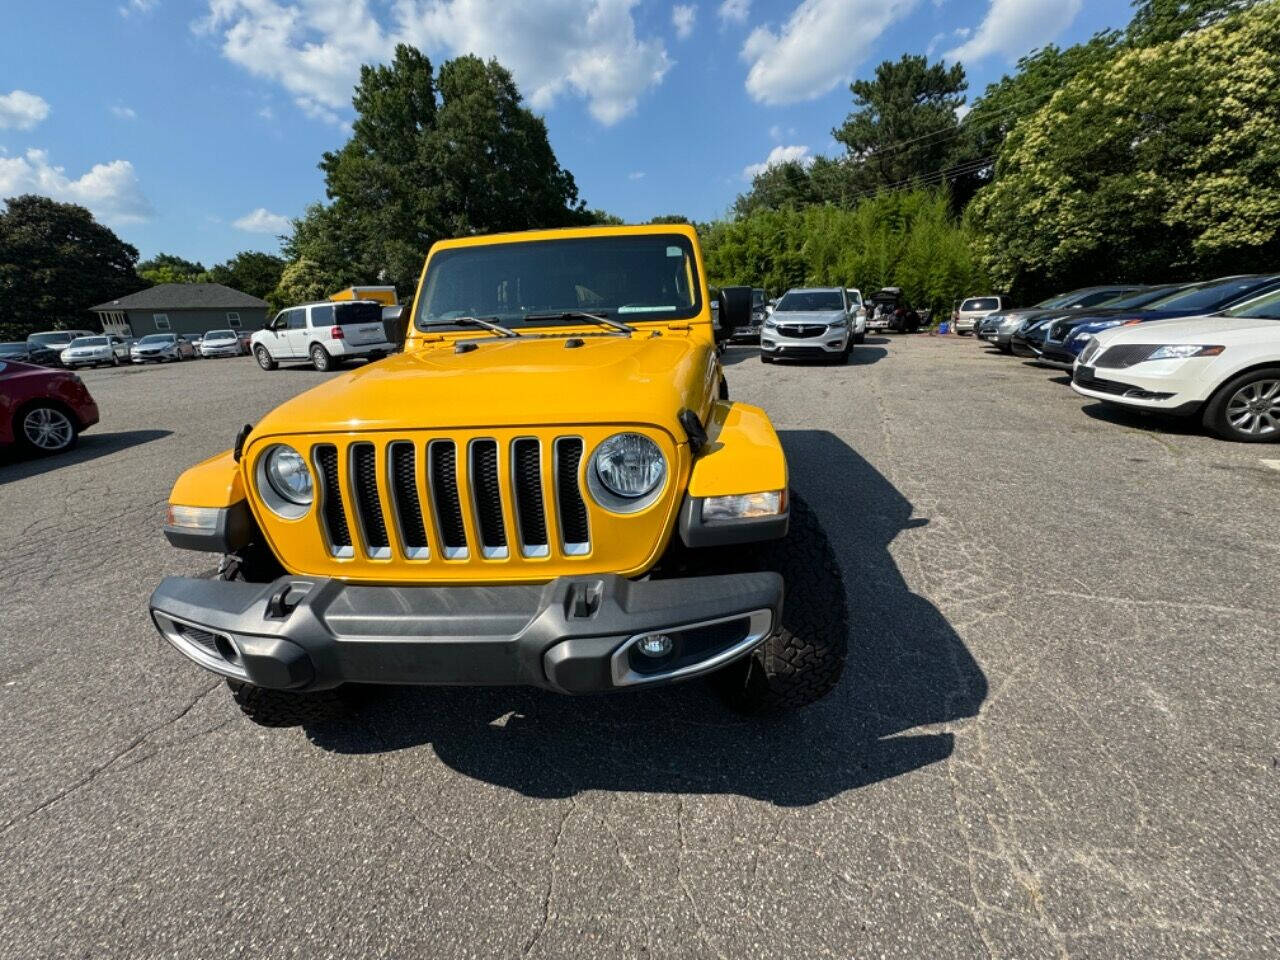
(1124, 355)
(408, 506)
(364, 463)
(530, 511)
(573, 512)
(444, 493)
(335, 520)
(484, 480)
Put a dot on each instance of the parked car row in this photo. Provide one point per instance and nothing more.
(1209, 349)
(83, 348)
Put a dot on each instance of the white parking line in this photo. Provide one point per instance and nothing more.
(1273, 464)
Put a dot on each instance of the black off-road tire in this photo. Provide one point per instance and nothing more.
(803, 659)
(264, 358)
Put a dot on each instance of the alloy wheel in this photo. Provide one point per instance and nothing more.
(48, 429)
(1254, 409)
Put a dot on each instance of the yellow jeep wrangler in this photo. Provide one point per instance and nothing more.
(549, 486)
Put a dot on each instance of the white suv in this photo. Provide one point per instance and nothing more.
(324, 333)
(976, 309)
(1225, 368)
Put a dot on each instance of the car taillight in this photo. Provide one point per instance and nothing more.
(335, 333)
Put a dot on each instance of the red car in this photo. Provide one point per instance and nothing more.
(42, 411)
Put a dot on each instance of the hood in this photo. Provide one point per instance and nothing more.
(808, 316)
(1206, 330)
(530, 380)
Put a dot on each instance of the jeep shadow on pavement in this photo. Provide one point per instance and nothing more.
(907, 668)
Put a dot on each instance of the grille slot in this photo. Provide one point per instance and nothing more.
(531, 514)
(443, 456)
(335, 518)
(1124, 355)
(573, 511)
(487, 495)
(406, 502)
(364, 478)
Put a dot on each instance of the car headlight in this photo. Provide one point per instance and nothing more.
(1181, 351)
(626, 472)
(287, 476)
(839, 322)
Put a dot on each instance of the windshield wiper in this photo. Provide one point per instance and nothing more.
(617, 325)
(486, 324)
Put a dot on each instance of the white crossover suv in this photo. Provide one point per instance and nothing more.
(815, 322)
(324, 333)
(1224, 367)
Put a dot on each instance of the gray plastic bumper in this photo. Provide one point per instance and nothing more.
(574, 634)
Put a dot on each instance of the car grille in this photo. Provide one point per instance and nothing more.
(427, 508)
(1098, 385)
(802, 331)
(1124, 355)
(1058, 330)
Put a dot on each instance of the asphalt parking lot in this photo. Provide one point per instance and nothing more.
(1058, 734)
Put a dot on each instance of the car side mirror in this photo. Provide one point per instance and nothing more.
(735, 309)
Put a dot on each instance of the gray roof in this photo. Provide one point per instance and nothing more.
(184, 296)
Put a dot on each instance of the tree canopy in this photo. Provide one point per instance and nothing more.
(170, 268)
(432, 154)
(249, 271)
(1161, 165)
(55, 262)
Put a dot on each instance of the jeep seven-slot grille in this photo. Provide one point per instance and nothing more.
(436, 510)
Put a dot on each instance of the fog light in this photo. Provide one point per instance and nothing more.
(655, 645)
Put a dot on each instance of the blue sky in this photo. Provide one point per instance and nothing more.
(195, 127)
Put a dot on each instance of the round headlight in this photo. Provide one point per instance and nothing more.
(287, 475)
(629, 465)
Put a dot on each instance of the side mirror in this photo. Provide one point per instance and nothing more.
(735, 309)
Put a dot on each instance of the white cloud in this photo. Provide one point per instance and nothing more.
(123, 112)
(314, 48)
(778, 155)
(812, 52)
(734, 11)
(636, 175)
(266, 113)
(137, 6)
(262, 220)
(21, 110)
(110, 190)
(683, 17)
(1014, 27)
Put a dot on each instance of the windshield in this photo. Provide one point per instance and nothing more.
(631, 278)
(1061, 300)
(59, 339)
(89, 342)
(1266, 307)
(219, 335)
(757, 297)
(1140, 298)
(157, 338)
(979, 303)
(811, 300)
(855, 298)
(1206, 297)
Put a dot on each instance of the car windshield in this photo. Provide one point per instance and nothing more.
(811, 300)
(629, 277)
(58, 339)
(219, 335)
(1266, 307)
(979, 303)
(757, 297)
(1207, 297)
(89, 342)
(1140, 298)
(1061, 300)
(13, 347)
(854, 296)
(154, 339)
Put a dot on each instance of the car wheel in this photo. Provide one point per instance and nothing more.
(320, 358)
(43, 429)
(115, 360)
(765, 358)
(803, 659)
(860, 338)
(1247, 409)
(261, 354)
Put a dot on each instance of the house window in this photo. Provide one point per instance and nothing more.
(162, 320)
(233, 319)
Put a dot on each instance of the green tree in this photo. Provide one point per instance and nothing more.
(56, 261)
(303, 281)
(1157, 21)
(904, 121)
(431, 155)
(170, 268)
(781, 186)
(251, 272)
(1162, 165)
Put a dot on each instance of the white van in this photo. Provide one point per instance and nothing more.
(324, 333)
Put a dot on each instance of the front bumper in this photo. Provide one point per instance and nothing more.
(572, 635)
(746, 334)
(1122, 387)
(232, 350)
(834, 341)
(140, 357)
